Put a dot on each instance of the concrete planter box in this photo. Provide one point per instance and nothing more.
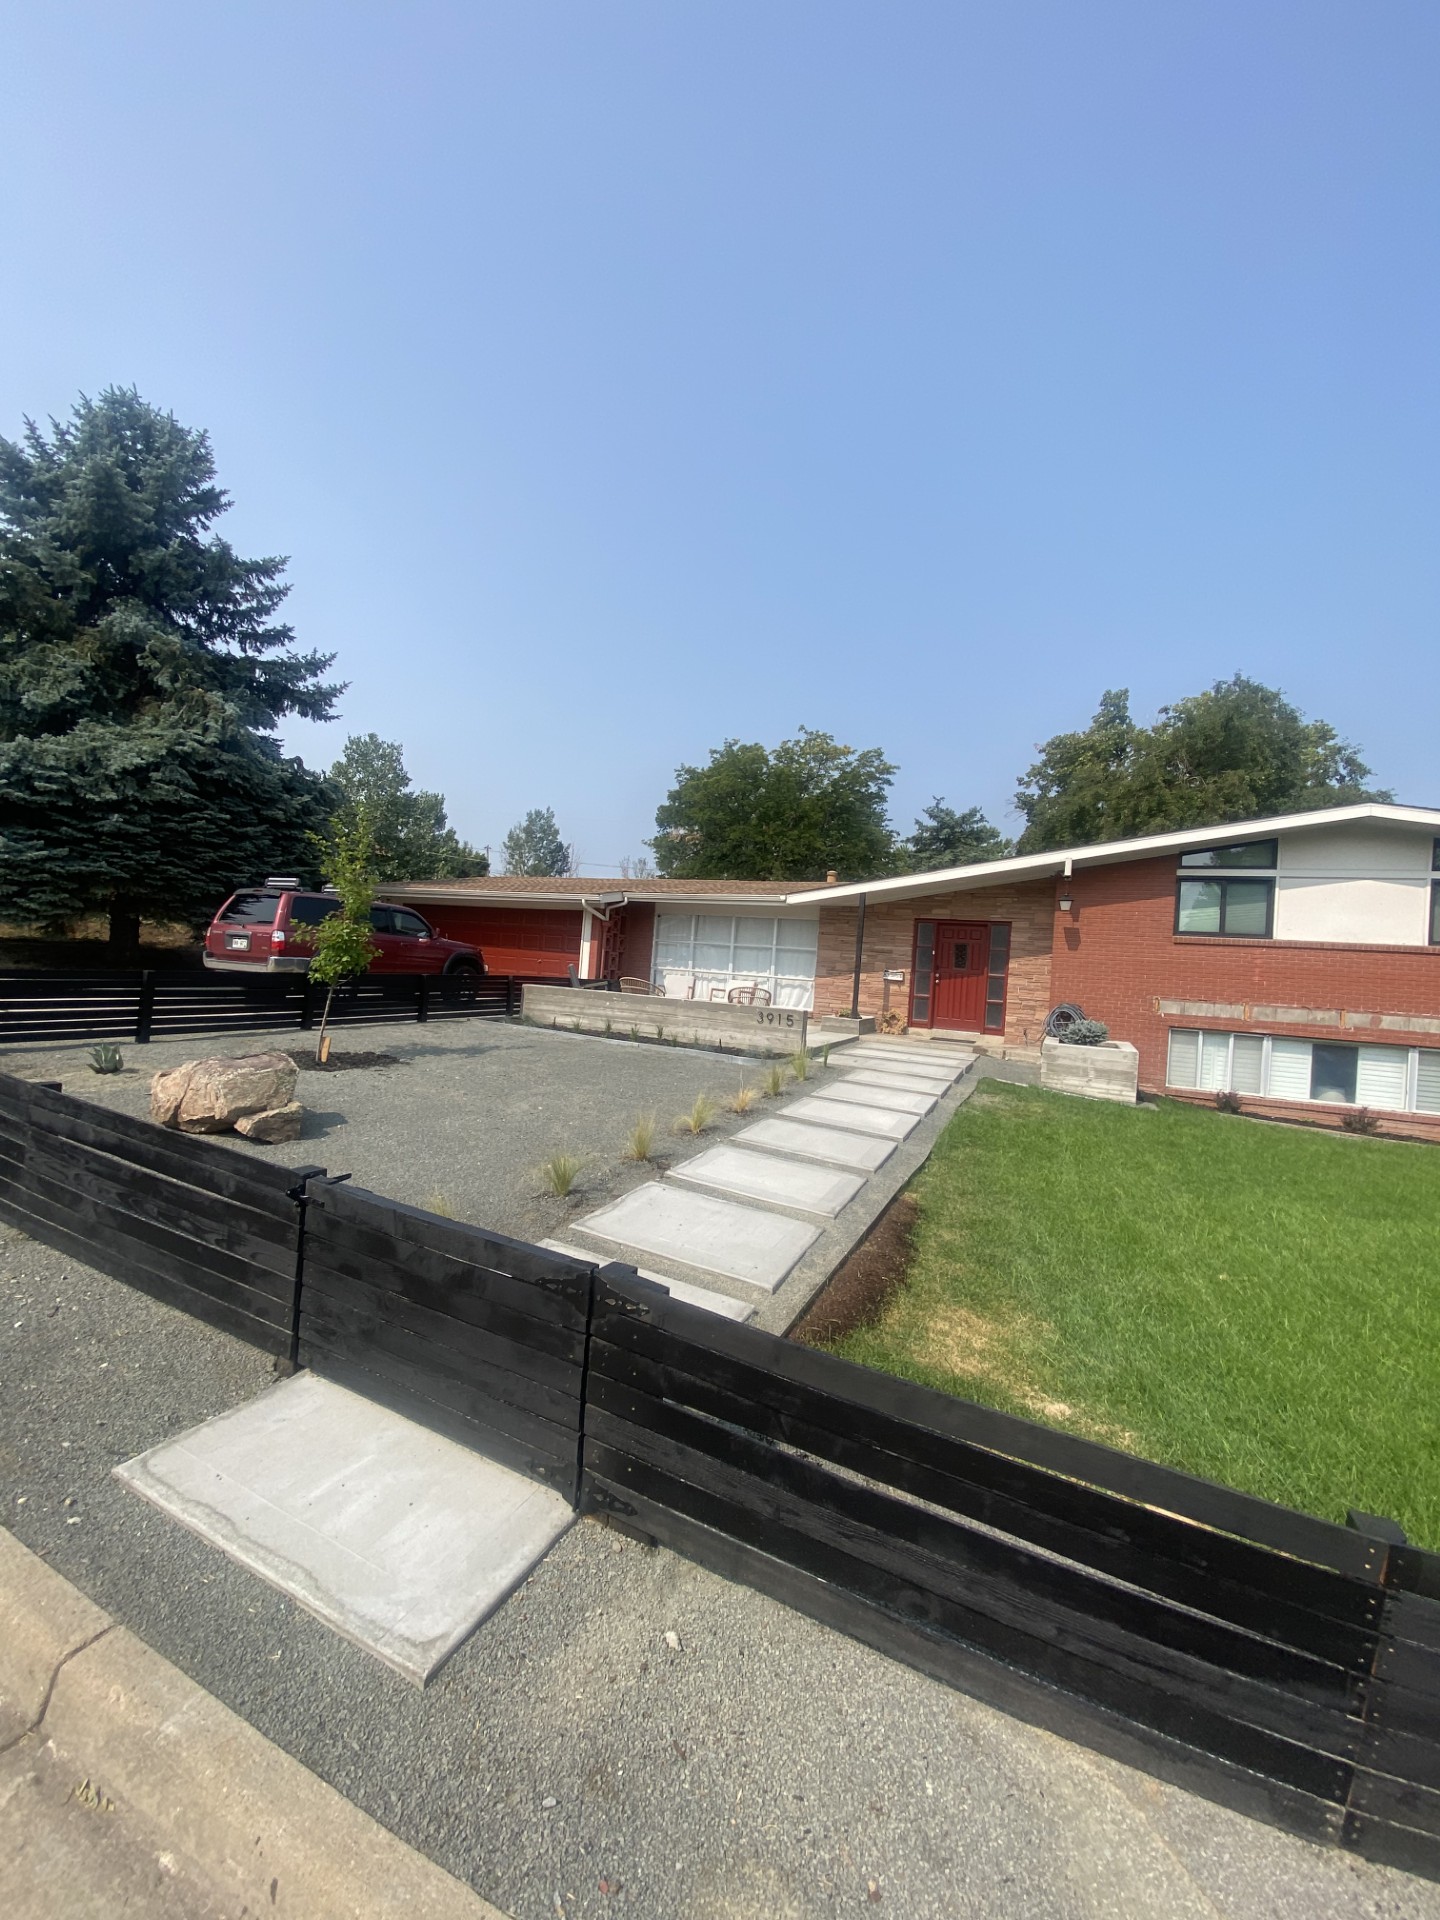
(1110, 1071)
(842, 1023)
(686, 1023)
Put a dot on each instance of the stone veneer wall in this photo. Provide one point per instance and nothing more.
(890, 942)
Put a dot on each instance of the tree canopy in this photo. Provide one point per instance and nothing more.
(533, 845)
(792, 814)
(1238, 751)
(945, 838)
(412, 840)
(142, 676)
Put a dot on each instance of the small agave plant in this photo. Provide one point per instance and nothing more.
(106, 1058)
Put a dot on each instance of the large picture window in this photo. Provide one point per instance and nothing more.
(700, 954)
(1336, 1072)
(1232, 898)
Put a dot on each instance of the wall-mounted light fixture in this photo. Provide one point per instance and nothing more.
(1067, 900)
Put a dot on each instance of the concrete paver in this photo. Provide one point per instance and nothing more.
(769, 1177)
(828, 1144)
(893, 1098)
(713, 1301)
(398, 1538)
(717, 1236)
(855, 1118)
(906, 1081)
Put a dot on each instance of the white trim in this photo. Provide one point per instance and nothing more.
(1035, 866)
(587, 941)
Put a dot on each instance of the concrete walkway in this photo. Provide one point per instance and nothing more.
(744, 1212)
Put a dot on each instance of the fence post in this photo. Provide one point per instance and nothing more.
(422, 998)
(145, 1011)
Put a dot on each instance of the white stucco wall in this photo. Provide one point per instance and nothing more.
(1367, 884)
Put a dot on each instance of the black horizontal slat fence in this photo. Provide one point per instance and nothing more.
(1285, 1665)
(197, 1225)
(477, 1335)
(1275, 1661)
(172, 1003)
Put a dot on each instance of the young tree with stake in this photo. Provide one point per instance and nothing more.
(342, 945)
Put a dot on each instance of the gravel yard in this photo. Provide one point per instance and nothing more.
(462, 1123)
(569, 1761)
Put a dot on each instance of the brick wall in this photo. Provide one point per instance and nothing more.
(1117, 953)
(890, 942)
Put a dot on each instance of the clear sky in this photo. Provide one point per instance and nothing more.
(621, 377)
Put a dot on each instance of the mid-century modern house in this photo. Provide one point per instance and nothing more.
(1295, 960)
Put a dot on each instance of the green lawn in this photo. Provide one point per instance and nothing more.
(1258, 1304)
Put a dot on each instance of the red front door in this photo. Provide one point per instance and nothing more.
(962, 959)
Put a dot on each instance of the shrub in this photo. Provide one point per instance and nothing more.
(743, 1099)
(699, 1116)
(106, 1058)
(1362, 1120)
(560, 1172)
(640, 1141)
(1085, 1033)
(891, 1021)
(1228, 1102)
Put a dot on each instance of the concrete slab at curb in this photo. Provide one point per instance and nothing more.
(264, 1832)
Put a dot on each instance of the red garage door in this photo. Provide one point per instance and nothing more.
(541, 942)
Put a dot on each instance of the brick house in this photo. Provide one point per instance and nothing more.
(1295, 960)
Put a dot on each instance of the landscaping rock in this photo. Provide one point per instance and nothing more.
(209, 1096)
(280, 1123)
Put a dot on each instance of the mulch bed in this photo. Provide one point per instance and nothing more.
(344, 1062)
(857, 1291)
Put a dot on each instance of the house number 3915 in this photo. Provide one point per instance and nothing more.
(774, 1017)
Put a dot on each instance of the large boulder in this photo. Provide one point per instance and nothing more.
(209, 1096)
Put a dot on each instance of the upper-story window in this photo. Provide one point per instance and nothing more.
(1235, 897)
(1435, 895)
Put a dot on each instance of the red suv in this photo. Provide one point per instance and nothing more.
(268, 931)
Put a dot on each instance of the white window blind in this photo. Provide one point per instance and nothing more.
(1247, 1066)
(1380, 1077)
(697, 954)
(1214, 1061)
(1289, 1069)
(1427, 1081)
(1184, 1066)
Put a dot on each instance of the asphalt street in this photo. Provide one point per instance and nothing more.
(572, 1760)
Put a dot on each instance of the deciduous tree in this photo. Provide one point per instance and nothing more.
(792, 814)
(412, 838)
(1238, 751)
(533, 846)
(945, 838)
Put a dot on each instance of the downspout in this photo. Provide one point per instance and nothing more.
(859, 950)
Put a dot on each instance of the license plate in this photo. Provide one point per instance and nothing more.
(241, 940)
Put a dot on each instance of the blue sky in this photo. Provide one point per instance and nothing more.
(623, 377)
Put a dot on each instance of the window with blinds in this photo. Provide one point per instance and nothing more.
(697, 953)
(1280, 1067)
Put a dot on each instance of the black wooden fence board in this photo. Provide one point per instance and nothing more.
(952, 1559)
(1120, 1535)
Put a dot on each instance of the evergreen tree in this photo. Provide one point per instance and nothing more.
(411, 838)
(945, 838)
(533, 846)
(794, 814)
(1238, 751)
(142, 676)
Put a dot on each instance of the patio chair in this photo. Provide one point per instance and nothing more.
(628, 984)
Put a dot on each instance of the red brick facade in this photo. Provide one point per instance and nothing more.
(1028, 909)
(1117, 955)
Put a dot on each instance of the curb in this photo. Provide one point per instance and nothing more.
(248, 1819)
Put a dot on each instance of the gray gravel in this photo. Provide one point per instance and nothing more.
(769, 1769)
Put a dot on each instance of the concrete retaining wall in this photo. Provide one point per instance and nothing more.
(1110, 1071)
(689, 1023)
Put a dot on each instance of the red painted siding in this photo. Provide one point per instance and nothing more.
(542, 942)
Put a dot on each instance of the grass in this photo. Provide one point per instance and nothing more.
(559, 1173)
(777, 1080)
(640, 1141)
(743, 1099)
(1255, 1304)
(800, 1064)
(699, 1117)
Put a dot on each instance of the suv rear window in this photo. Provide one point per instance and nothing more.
(308, 909)
(250, 907)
